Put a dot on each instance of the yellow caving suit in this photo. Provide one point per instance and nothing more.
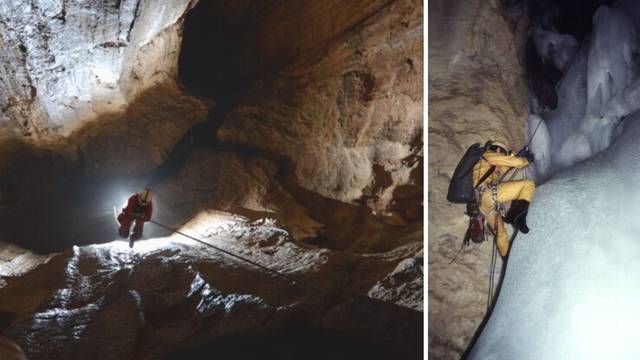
(506, 191)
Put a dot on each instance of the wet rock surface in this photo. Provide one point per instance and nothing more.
(171, 296)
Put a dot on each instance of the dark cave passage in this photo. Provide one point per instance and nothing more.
(573, 17)
(292, 341)
(567, 16)
(213, 60)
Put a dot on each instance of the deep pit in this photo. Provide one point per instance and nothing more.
(288, 133)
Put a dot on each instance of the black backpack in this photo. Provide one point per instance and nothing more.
(461, 189)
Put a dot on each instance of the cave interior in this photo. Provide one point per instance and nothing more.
(286, 133)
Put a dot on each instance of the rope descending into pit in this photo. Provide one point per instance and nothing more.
(301, 284)
(492, 274)
(492, 266)
(292, 280)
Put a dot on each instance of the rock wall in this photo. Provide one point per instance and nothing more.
(169, 296)
(338, 93)
(10, 350)
(325, 134)
(477, 92)
(65, 62)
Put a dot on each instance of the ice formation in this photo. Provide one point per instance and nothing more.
(559, 49)
(600, 86)
(571, 289)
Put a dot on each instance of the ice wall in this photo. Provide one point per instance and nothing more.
(599, 87)
(571, 289)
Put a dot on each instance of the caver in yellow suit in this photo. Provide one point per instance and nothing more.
(492, 193)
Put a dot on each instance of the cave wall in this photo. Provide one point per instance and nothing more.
(331, 99)
(66, 62)
(335, 89)
(477, 92)
(324, 131)
(10, 350)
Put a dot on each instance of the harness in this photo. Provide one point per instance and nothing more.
(138, 212)
(498, 209)
(480, 188)
(474, 213)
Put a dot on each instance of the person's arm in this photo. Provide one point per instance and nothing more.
(497, 159)
(147, 215)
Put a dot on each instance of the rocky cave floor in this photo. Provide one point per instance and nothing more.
(171, 297)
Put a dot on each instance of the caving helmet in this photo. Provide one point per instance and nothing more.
(498, 147)
(144, 196)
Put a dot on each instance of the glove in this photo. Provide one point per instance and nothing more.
(530, 157)
(523, 152)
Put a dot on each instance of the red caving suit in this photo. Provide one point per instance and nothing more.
(134, 211)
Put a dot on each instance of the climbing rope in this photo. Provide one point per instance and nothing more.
(292, 280)
(534, 134)
(295, 282)
(492, 269)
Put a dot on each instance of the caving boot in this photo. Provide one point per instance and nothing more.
(517, 215)
(135, 236)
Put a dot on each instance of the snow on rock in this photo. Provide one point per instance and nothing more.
(571, 288)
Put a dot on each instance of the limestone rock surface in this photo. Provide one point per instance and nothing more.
(314, 142)
(66, 62)
(342, 97)
(10, 350)
(174, 296)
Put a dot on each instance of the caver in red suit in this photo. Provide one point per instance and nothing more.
(139, 209)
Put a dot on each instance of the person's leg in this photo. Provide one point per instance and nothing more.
(520, 193)
(516, 190)
(502, 238)
(137, 229)
(125, 225)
